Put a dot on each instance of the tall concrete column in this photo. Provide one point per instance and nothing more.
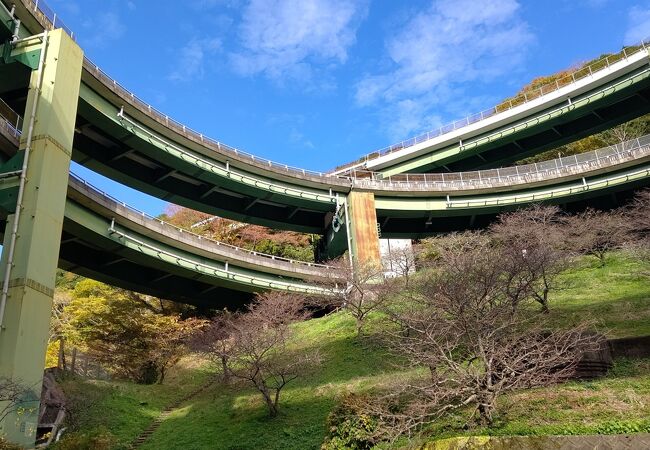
(25, 326)
(364, 236)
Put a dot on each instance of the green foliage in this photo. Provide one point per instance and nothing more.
(4, 445)
(348, 427)
(125, 332)
(125, 408)
(100, 439)
(66, 280)
(229, 418)
(624, 427)
(284, 250)
(635, 128)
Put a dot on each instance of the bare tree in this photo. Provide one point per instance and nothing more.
(626, 131)
(536, 238)
(476, 342)
(596, 233)
(260, 352)
(637, 222)
(400, 264)
(359, 291)
(494, 263)
(216, 341)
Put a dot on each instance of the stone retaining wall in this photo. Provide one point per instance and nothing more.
(638, 441)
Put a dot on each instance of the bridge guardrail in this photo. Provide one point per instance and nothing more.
(48, 19)
(230, 275)
(98, 192)
(545, 195)
(505, 176)
(508, 176)
(518, 100)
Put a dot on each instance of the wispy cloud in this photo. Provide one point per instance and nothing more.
(437, 52)
(293, 123)
(191, 64)
(103, 29)
(283, 39)
(638, 24)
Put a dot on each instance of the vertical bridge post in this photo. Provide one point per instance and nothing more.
(46, 144)
(364, 237)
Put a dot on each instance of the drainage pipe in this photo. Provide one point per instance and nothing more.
(21, 186)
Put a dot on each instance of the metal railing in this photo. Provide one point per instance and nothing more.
(45, 15)
(13, 119)
(181, 261)
(550, 194)
(527, 173)
(112, 200)
(49, 20)
(518, 100)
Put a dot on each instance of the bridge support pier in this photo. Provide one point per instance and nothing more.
(25, 310)
(363, 237)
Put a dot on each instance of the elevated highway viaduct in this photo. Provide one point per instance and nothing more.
(73, 111)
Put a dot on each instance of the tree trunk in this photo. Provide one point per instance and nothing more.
(226, 370)
(61, 364)
(543, 300)
(359, 325)
(485, 413)
(73, 364)
(273, 407)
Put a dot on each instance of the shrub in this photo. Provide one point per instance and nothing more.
(4, 445)
(97, 440)
(348, 427)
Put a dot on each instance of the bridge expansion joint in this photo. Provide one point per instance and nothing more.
(32, 284)
(47, 138)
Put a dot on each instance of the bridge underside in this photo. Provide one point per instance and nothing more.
(421, 224)
(101, 259)
(587, 115)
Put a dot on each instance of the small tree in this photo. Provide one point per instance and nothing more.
(216, 341)
(359, 291)
(536, 238)
(260, 353)
(477, 342)
(596, 233)
(637, 221)
(126, 333)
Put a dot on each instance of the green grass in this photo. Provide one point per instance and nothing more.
(234, 417)
(125, 408)
(619, 403)
(616, 296)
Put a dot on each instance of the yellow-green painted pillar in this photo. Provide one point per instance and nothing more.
(25, 328)
(364, 235)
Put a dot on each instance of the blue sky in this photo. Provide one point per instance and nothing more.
(316, 83)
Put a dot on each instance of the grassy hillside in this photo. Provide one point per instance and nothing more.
(234, 417)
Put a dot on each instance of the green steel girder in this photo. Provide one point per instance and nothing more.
(540, 132)
(418, 217)
(149, 252)
(9, 180)
(121, 136)
(27, 55)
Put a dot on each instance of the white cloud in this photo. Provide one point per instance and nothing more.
(190, 65)
(451, 43)
(105, 28)
(282, 39)
(638, 24)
